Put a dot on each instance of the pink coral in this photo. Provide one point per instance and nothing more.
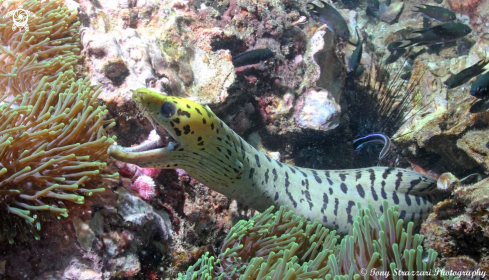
(145, 186)
(143, 177)
(132, 170)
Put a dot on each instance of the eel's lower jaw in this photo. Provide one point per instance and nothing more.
(151, 150)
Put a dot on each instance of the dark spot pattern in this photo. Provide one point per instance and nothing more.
(252, 170)
(276, 196)
(402, 215)
(204, 121)
(398, 180)
(275, 176)
(407, 199)
(325, 203)
(266, 176)
(186, 129)
(209, 114)
(176, 120)
(374, 193)
(180, 112)
(316, 177)
(287, 183)
(212, 126)
(331, 191)
(342, 177)
(177, 131)
(309, 201)
(198, 111)
(386, 173)
(361, 191)
(413, 184)
(395, 198)
(344, 188)
(349, 218)
(336, 202)
(257, 158)
(382, 190)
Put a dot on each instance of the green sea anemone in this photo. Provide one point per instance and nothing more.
(52, 131)
(285, 246)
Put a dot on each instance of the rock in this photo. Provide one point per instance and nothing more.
(317, 110)
(116, 242)
(324, 68)
(124, 266)
(390, 13)
(116, 70)
(458, 229)
(213, 75)
(473, 143)
(84, 233)
(133, 209)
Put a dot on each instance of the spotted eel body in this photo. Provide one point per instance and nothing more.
(215, 155)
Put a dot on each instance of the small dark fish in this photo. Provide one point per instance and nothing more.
(396, 52)
(252, 57)
(468, 73)
(426, 22)
(373, 5)
(329, 15)
(435, 12)
(406, 76)
(376, 137)
(480, 88)
(481, 105)
(436, 35)
(393, 46)
(356, 56)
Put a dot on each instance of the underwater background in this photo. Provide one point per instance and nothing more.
(324, 85)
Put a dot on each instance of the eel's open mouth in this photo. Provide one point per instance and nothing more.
(155, 145)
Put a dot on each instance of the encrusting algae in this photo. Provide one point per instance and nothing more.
(283, 245)
(53, 138)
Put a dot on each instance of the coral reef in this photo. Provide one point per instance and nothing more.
(458, 228)
(463, 6)
(185, 48)
(285, 246)
(53, 133)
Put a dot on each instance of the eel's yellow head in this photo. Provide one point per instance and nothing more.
(188, 122)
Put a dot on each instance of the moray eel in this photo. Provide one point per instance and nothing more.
(208, 150)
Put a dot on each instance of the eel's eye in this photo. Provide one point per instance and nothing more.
(168, 110)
